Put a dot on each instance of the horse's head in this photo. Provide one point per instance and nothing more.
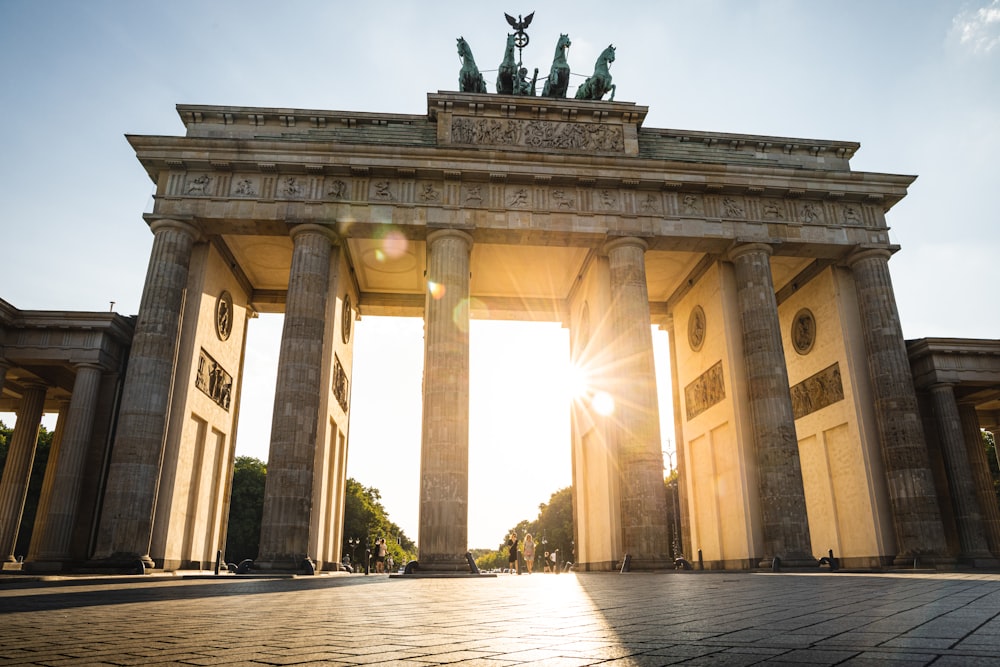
(563, 43)
(608, 54)
(463, 48)
(510, 43)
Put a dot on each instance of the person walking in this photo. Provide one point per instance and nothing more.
(512, 553)
(529, 552)
(380, 552)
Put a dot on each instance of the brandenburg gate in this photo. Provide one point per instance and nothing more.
(766, 259)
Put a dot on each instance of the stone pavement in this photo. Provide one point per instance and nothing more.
(640, 619)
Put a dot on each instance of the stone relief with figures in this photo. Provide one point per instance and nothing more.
(214, 381)
(584, 196)
(514, 132)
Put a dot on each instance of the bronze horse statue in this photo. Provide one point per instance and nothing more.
(558, 81)
(600, 82)
(507, 72)
(469, 78)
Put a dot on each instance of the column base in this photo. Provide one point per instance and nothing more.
(980, 562)
(283, 566)
(924, 561)
(649, 564)
(121, 563)
(449, 567)
(45, 566)
(789, 562)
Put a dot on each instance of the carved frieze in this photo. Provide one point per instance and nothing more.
(705, 391)
(584, 194)
(246, 187)
(336, 188)
(214, 381)
(512, 132)
(562, 199)
(200, 184)
(817, 392)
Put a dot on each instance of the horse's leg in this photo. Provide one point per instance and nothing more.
(612, 98)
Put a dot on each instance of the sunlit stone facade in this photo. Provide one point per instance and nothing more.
(798, 428)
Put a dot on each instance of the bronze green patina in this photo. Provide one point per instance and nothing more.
(558, 80)
(469, 78)
(600, 82)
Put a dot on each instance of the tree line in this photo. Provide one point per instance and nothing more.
(365, 518)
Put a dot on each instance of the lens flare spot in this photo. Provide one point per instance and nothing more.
(379, 256)
(394, 244)
(603, 403)
(436, 290)
(460, 315)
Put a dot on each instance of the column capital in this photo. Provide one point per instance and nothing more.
(179, 225)
(439, 234)
(314, 228)
(741, 249)
(624, 241)
(867, 253)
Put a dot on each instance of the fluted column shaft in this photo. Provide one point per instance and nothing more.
(287, 513)
(53, 532)
(134, 473)
(636, 423)
(782, 495)
(959, 472)
(48, 481)
(917, 518)
(17, 469)
(981, 476)
(444, 450)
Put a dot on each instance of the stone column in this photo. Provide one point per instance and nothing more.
(52, 538)
(287, 515)
(981, 475)
(635, 427)
(444, 450)
(134, 474)
(681, 510)
(17, 469)
(48, 481)
(960, 480)
(917, 517)
(782, 495)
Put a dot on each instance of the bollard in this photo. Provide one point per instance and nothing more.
(626, 564)
(218, 562)
(701, 561)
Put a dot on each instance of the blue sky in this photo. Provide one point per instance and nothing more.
(917, 83)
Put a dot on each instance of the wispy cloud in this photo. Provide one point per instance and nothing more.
(979, 29)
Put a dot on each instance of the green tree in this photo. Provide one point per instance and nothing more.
(552, 529)
(365, 520)
(42, 448)
(246, 507)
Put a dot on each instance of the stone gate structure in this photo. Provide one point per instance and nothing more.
(799, 428)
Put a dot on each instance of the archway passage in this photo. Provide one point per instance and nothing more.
(765, 258)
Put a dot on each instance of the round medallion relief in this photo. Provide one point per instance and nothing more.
(803, 331)
(224, 315)
(347, 318)
(696, 328)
